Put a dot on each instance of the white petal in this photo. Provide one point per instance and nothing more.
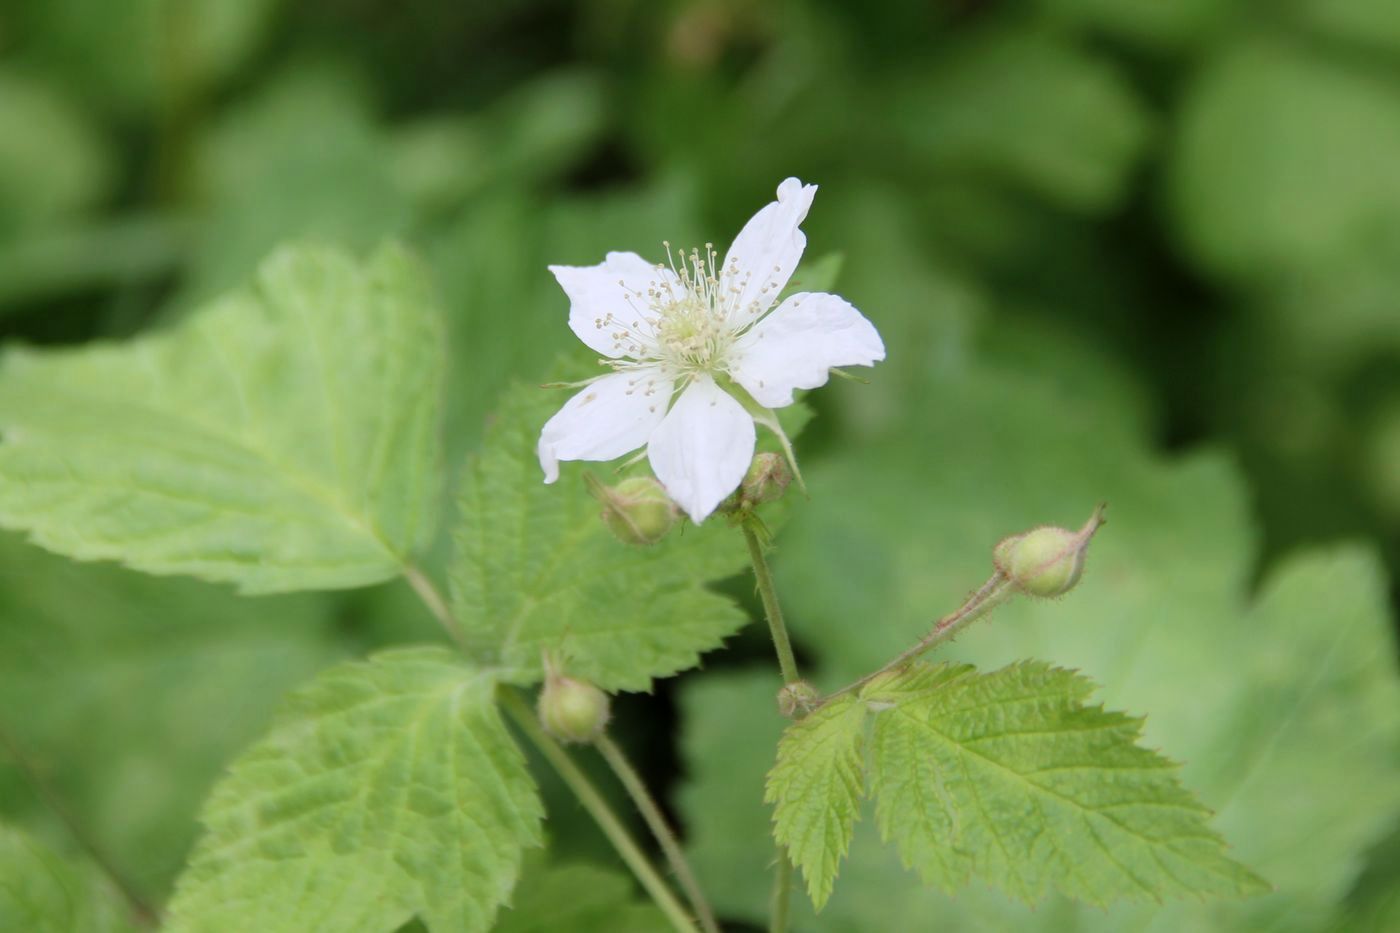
(765, 253)
(703, 448)
(796, 346)
(618, 286)
(610, 417)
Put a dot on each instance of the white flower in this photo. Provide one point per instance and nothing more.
(671, 331)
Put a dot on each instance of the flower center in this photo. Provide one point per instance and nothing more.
(683, 321)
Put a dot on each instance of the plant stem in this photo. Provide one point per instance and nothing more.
(578, 782)
(771, 609)
(787, 662)
(598, 808)
(782, 892)
(428, 592)
(145, 914)
(656, 821)
(986, 598)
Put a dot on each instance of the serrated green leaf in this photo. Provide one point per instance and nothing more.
(42, 892)
(537, 571)
(816, 788)
(1010, 778)
(284, 439)
(1264, 697)
(578, 898)
(387, 788)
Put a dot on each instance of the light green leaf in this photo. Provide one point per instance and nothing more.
(285, 438)
(42, 892)
(1262, 696)
(578, 898)
(816, 788)
(387, 788)
(1010, 778)
(537, 571)
(131, 694)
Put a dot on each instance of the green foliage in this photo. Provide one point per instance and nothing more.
(1031, 110)
(52, 162)
(130, 694)
(276, 168)
(1147, 22)
(286, 438)
(1009, 777)
(537, 570)
(132, 55)
(1284, 159)
(385, 789)
(1031, 200)
(579, 898)
(1253, 698)
(1369, 23)
(816, 787)
(42, 892)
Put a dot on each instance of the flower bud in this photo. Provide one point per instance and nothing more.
(768, 478)
(1046, 561)
(573, 710)
(797, 699)
(636, 510)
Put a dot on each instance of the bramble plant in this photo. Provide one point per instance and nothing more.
(287, 439)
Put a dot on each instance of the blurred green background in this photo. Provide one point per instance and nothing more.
(1138, 250)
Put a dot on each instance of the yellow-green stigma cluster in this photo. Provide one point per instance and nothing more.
(682, 322)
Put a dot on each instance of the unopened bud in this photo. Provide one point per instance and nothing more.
(636, 510)
(573, 710)
(797, 699)
(768, 478)
(1046, 561)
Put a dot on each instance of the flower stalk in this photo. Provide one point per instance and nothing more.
(772, 610)
(983, 600)
(524, 717)
(588, 796)
(646, 805)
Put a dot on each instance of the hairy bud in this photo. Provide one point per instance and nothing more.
(573, 710)
(636, 510)
(1046, 561)
(768, 478)
(797, 699)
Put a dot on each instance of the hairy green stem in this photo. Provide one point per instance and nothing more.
(771, 609)
(142, 910)
(787, 662)
(656, 821)
(428, 592)
(592, 801)
(983, 600)
(782, 895)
